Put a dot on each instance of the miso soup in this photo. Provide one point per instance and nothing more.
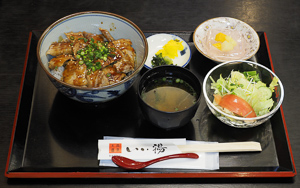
(169, 94)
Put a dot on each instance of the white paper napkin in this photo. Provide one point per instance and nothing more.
(138, 149)
(146, 149)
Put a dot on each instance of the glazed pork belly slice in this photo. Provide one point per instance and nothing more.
(59, 61)
(59, 48)
(75, 74)
(106, 34)
(96, 37)
(104, 77)
(74, 36)
(122, 43)
(77, 41)
(113, 75)
(66, 45)
(126, 62)
(78, 46)
(93, 78)
(123, 47)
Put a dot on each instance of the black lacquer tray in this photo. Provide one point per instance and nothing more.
(55, 137)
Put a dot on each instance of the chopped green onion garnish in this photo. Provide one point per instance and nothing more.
(91, 54)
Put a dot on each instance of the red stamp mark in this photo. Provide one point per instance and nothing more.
(115, 148)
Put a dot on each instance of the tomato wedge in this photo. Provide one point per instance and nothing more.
(235, 104)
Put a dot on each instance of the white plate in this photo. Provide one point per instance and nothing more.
(250, 36)
(157, 41)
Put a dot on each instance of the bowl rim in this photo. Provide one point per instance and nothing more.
(170, 34)
(128, 78)
(241, 118)
(199, 50)
(176, 67)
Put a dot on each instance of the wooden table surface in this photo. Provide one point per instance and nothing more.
(279, 19)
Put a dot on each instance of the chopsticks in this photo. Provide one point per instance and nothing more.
(222, 147)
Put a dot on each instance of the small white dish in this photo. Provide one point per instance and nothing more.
(157, 41)
(247, 34)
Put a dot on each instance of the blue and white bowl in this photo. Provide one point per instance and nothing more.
(118, 26)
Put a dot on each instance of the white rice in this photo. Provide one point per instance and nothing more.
(58, 72)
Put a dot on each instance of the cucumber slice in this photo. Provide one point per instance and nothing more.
(266, 92)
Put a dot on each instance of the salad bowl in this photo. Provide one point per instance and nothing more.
(224, 70)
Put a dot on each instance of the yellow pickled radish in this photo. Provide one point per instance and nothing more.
(171, 49)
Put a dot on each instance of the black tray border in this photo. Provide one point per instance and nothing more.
(286, 162)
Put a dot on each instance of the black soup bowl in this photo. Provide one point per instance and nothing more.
(169, 76)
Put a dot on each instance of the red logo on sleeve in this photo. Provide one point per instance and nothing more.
(115, 148)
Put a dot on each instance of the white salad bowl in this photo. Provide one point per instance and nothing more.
(246, 37)
(225, 69)
(118, 26)
(156, 43)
